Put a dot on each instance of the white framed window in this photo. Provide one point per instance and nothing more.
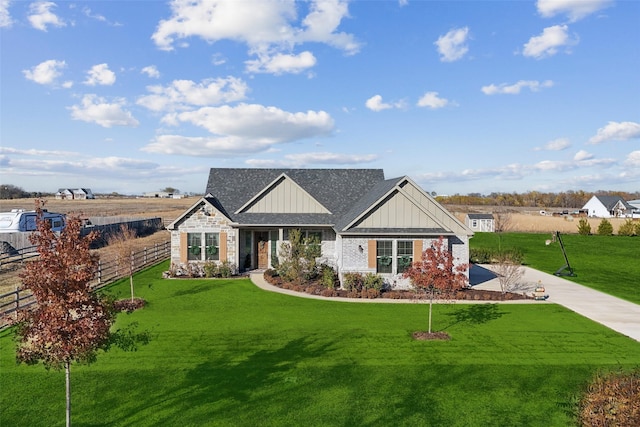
(393, 256)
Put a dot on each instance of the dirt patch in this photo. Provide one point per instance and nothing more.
(430, 336)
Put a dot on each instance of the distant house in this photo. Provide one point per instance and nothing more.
(480, 222)
(159, 194)
(364, 222)
(74, 194)
(608, 207)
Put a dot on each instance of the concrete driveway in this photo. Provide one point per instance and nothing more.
(615, 313)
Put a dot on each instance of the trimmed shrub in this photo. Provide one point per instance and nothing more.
(629, 228)
(605, 228)
(584, 228)
(353, 281)
(612, 400)
(328, 276)
(373, 281)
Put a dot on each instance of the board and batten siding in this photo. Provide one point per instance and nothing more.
(397, 212)
(286, 197)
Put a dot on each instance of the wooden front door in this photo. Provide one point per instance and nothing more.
(263, 249)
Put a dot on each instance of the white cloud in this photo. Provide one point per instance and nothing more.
(5, 17)
(281, 63)
(45, 73)
(314, 158)
(375, 104)
(181, 94)
(633, 159)
(616, 131)
(246, 128)
(574, 9)
(549, 42)
(94, 109)
(582, 155)
(41, 16)
(433, 101)
(452, 46)
(267, 27)
(514, 89)
(151, 71)
(100, 75)
(555, 145)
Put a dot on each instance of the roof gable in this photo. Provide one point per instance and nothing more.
(400, 204)
(283, 195)
(336, 190)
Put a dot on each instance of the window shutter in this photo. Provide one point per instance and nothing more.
(223, 246)
(417, 250)
(371, 254)
(183, 247)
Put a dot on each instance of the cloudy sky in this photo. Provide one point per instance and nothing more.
(462, 96)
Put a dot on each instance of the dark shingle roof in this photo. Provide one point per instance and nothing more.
(338, 190)
(479, 216)
(610, 202)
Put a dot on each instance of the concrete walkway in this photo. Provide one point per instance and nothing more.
(617, 314)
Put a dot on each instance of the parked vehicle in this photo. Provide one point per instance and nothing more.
(21, 220)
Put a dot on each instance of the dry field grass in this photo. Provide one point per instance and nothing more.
(530, 221)
(167, 209)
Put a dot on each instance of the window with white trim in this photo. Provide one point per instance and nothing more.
(212, 246)
(404, 255)
(384, 256)
(194, 246)
(393, 256)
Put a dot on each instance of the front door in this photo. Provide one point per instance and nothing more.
(262, 239)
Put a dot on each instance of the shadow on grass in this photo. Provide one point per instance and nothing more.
(476, 314)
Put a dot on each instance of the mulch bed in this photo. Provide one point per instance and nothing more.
(314, 288)
(430, 336)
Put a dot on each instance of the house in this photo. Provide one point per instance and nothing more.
(480, 222)
(608, 207)
(75, 194)
(159, 194)
(364, 222)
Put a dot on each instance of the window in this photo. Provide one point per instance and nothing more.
(384, 256)
(474, 223)
(194, 246)
(405, 255)
(212, 246)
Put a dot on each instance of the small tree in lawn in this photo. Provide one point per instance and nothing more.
(509, 270)
(70, 323)
(122, 242)
(436, 272)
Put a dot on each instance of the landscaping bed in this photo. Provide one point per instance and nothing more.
(315, 288)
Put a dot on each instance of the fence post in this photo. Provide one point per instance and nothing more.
(144, 257)
(17, 301)
(99, 272)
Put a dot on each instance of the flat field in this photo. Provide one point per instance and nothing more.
(167, 209)
(226, 353)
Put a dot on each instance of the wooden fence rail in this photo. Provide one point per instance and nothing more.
(108, 271)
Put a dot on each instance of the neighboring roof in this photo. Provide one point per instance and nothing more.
(480, 216)
(610, 202)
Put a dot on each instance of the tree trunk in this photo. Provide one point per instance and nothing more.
(67, 374)
(131, 268)
(430, 309)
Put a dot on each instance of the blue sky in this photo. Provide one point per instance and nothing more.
(462, 96)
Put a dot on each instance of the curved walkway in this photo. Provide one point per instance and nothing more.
(615, 313)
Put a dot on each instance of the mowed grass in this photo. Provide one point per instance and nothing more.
(609, 264)
(225, 353)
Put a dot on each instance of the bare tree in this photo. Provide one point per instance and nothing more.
(70, 323)
(509, 271)
(502, 221)
(122, 243)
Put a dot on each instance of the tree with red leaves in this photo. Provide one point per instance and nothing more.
(70, 322)
(437, 273)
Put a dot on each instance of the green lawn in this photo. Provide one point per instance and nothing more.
(225, 353)
(609, 264)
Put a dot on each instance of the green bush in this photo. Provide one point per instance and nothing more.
(605, 228)
(584, 228)
(353, 281)
(328, 276)
(373, 281)
(495, 255)
(629, 228)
